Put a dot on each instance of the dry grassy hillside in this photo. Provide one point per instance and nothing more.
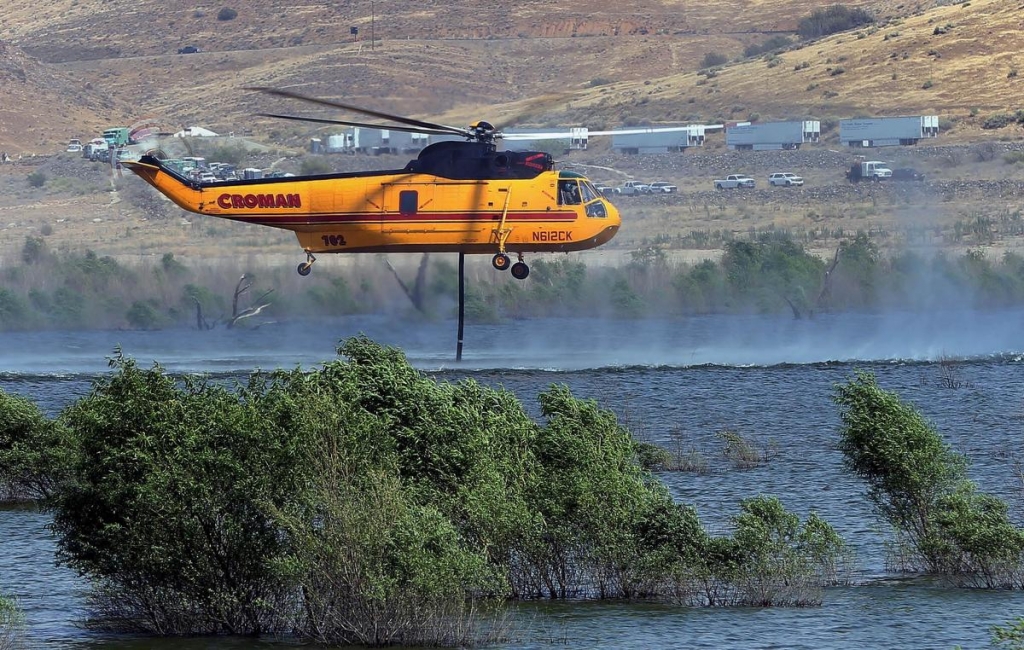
(952, 61)
(40, 105)
(80, 66)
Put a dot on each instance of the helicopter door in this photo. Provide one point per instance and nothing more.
(407, 209)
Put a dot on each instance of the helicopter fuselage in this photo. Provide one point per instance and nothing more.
(444, 201)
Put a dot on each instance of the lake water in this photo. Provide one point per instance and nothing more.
(676, 383)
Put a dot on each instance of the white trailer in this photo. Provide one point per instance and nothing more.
(772, 135)
(888, 131)
(375, 141)
(670, 139)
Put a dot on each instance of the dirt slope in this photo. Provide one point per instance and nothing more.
(69, 68)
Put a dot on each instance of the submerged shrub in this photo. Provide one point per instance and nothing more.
(12, 624)
(365, 502)
(919, 485)
(168, 512)
(36, 454)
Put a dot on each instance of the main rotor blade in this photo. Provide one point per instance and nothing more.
(534, 136)
(453, 130)
(365, 125)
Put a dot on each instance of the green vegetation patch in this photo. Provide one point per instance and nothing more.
(364, 502)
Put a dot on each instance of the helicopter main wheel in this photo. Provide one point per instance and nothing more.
(520, 270)
(306, 267)
(500, 261)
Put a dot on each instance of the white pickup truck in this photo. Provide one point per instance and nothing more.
(633, 188)
(663, 187)
(732, 181)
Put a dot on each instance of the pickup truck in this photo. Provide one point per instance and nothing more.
(633, 188)
(733, 181)
(662, 187)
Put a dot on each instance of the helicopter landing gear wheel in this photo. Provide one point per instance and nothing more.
(306, 267)
(520, 270)
(500, 261)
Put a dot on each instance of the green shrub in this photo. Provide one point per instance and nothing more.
(364, 502)
(144, 315)
(836, 18)
(777, 42)
(919, 486)
(315, 165)
(36, 455)
(37, 179)
(713, 60)
(33, 250)
(168, 513)
(997, 121)
(12, 624)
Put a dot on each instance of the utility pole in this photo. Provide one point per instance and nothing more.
(371, 24)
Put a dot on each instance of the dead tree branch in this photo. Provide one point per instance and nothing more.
(201, 323)
(826, 284)
(240, 288)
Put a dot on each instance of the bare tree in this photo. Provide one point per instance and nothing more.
(826, 284)
(244, 284)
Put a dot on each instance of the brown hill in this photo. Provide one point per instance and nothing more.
(70, 69)
(41, 106)
(76, 67)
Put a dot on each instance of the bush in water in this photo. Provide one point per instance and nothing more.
(364, 502)
(36, 455)
(771, 559)
(919, 485)
(12, 624)
(169, 510)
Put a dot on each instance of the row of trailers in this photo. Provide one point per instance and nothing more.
(863, 132)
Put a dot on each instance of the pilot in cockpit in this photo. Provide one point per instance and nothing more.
(569, 191)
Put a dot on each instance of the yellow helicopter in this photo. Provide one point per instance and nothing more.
(456, 196)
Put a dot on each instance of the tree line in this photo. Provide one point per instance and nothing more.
(767, 275)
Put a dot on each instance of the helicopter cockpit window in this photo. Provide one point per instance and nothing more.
(569, 192)
(589, 192)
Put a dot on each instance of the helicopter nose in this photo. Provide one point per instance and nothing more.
(614, 219)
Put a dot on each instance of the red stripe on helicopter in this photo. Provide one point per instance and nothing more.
(375, 218)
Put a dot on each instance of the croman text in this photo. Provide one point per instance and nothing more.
(552, 235)
(229, 201)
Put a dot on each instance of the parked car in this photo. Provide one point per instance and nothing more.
(662, 187)
(785, 179)
(732, 181)
(75, 145)
(907, 174)
(606, 190)
(188, 49)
